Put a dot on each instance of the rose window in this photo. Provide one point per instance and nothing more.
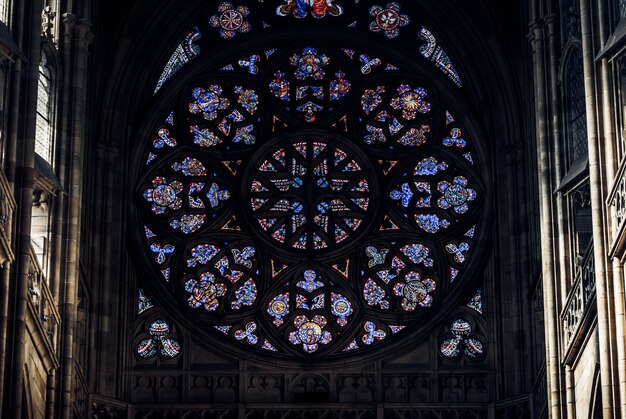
(310, 201)
(308, 192)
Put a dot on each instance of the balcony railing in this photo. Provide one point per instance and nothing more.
(580, 299)
(617, 201)
(44, 307)
(7, 207)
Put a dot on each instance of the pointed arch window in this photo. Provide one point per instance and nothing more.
(575, 184)
(576, 112)
(43, 132)
(47, 184)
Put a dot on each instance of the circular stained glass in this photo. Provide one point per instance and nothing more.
(311, 202)
(310, 191)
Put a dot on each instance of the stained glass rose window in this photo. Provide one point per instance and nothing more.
(310, 200)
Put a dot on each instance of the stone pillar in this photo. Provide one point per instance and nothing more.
(514, 321)
(21, 169)
(596, 166)
(615, 274)
(571, 392)
(620, 334)
(5, 277)
(51, 395)
(76, 38)
(14, 92)
(558, 161)
(108, 280)
(546, 222)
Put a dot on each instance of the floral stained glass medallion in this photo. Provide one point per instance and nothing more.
(311, 200)
(158, 342)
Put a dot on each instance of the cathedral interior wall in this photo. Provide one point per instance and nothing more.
(539, 81)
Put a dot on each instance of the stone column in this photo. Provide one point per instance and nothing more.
(571, 392)
(76, 38)
(110, 282)
(596, 166)
(13, 114)
(558, 161)
(611, 165)
(546, 222)
(5, 277)
(620, 334)
(615, 276)
(22, 172)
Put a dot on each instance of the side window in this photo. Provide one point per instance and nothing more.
(43, 133)
(576, 158)
(575, 108)
(46, 182)
(621, 92)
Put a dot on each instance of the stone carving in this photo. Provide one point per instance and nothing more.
(310, 387)
(226, 389)
(263, 388)
(47, 22)
(201, 389)
(355, 389)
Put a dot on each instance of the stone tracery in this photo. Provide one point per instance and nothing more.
(302, 222)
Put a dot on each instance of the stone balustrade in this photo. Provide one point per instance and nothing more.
(581, 297)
